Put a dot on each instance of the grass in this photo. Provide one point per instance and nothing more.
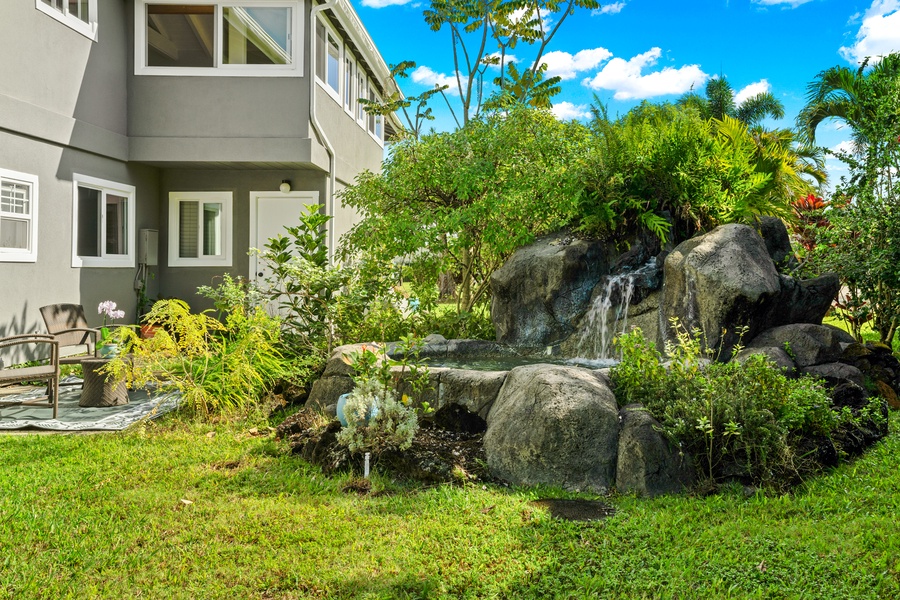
(868, 334)
(200, 511)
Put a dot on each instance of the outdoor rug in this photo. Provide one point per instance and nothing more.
(142, 404)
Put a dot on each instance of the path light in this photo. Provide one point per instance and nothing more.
(285, 186)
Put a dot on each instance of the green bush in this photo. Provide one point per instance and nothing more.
(746, 420)
(218, 367)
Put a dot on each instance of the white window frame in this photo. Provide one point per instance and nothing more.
(294, 69)
(362, 91)
(350, 100)
(336, 94)
(223, 198)
(88, 30)
(105, 187)
(377, 119)
(28, 254)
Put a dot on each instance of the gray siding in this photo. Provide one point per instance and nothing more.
(182, 282)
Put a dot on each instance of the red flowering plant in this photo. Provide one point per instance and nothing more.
(809, 211)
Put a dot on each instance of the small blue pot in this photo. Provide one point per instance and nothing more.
(342, 401)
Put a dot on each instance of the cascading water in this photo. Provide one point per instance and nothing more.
(608, 314)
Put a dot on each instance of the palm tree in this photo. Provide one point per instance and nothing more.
(719, 103)
(849, 95)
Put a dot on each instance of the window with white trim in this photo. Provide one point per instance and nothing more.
(80, 15)
(200, 229)
(375, 121)
(328, 58)
(349, 81)
(362, 91)
(240, 37)
(18, 216)
(103, 223)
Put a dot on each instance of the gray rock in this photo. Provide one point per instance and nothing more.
(778, 242)
(475, 390)
(805, 343)
(336, 365)
(648, 465)
(544, 287)
(836, 373)
(719, 281)
(805, 301)
(553, 425)
(776, 355)
(326, 390)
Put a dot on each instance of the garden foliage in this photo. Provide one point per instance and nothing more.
(218, 366)
(380, 416)
(737, 420)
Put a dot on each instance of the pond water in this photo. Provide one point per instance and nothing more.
(505, 363)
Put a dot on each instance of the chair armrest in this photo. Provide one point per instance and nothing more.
(88, 331)
(38, 338)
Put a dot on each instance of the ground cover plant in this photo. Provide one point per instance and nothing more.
(744, 420)
(180, 510)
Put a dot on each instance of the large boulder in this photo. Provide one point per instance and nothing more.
(806, 344)
(648, 465)
(778, 242)
(719, 281)
(554, 425)
(801, 301)
(544, 287)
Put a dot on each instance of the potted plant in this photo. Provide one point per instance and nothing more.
(106, 348)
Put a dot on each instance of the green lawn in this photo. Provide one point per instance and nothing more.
(179, 511)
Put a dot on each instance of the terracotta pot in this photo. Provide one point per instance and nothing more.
(148, 331)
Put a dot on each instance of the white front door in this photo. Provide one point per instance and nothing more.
(270, 213)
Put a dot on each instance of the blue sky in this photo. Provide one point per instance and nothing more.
(631, 50)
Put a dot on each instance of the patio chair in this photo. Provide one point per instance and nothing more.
(68, 325)
(44, 372)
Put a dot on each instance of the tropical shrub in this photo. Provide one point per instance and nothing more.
(746, 420)
(219, 367)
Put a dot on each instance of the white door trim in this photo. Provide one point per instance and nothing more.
(255, 198)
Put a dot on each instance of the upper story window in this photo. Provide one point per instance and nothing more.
(349, 81)
(80, 15)
(18, 216)
(241, 37)
(328, 58)
(103, 223)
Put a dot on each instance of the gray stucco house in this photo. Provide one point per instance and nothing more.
(135, 132)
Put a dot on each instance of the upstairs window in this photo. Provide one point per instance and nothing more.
(349, 80)
(249, 37)
(80, 15)
(103, 223)
(328, 59)
(18, 217)
(375, 121)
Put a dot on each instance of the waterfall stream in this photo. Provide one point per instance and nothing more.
(608, 315)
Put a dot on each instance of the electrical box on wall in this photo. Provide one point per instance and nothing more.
(148, 247)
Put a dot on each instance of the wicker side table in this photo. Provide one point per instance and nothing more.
(97, 391)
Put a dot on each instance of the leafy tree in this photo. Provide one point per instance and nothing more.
(718, 103)
(860, 241)
(461, 202)
(483, 34)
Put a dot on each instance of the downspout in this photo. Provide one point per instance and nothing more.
(329, 192)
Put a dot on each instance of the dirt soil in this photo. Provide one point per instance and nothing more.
(436, 455)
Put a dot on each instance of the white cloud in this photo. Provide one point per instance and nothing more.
(879, 33)
(760, 87)
(509, 58)
(609, 9)
(425, 76)
(626, 80)
(566, 65)
(846, 146)
(788, 3)
(383, 3)
(565, 111)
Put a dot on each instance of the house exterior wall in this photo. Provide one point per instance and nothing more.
(182, 282)
(63, 111)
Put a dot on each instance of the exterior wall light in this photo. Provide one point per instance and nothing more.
(285, 186)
